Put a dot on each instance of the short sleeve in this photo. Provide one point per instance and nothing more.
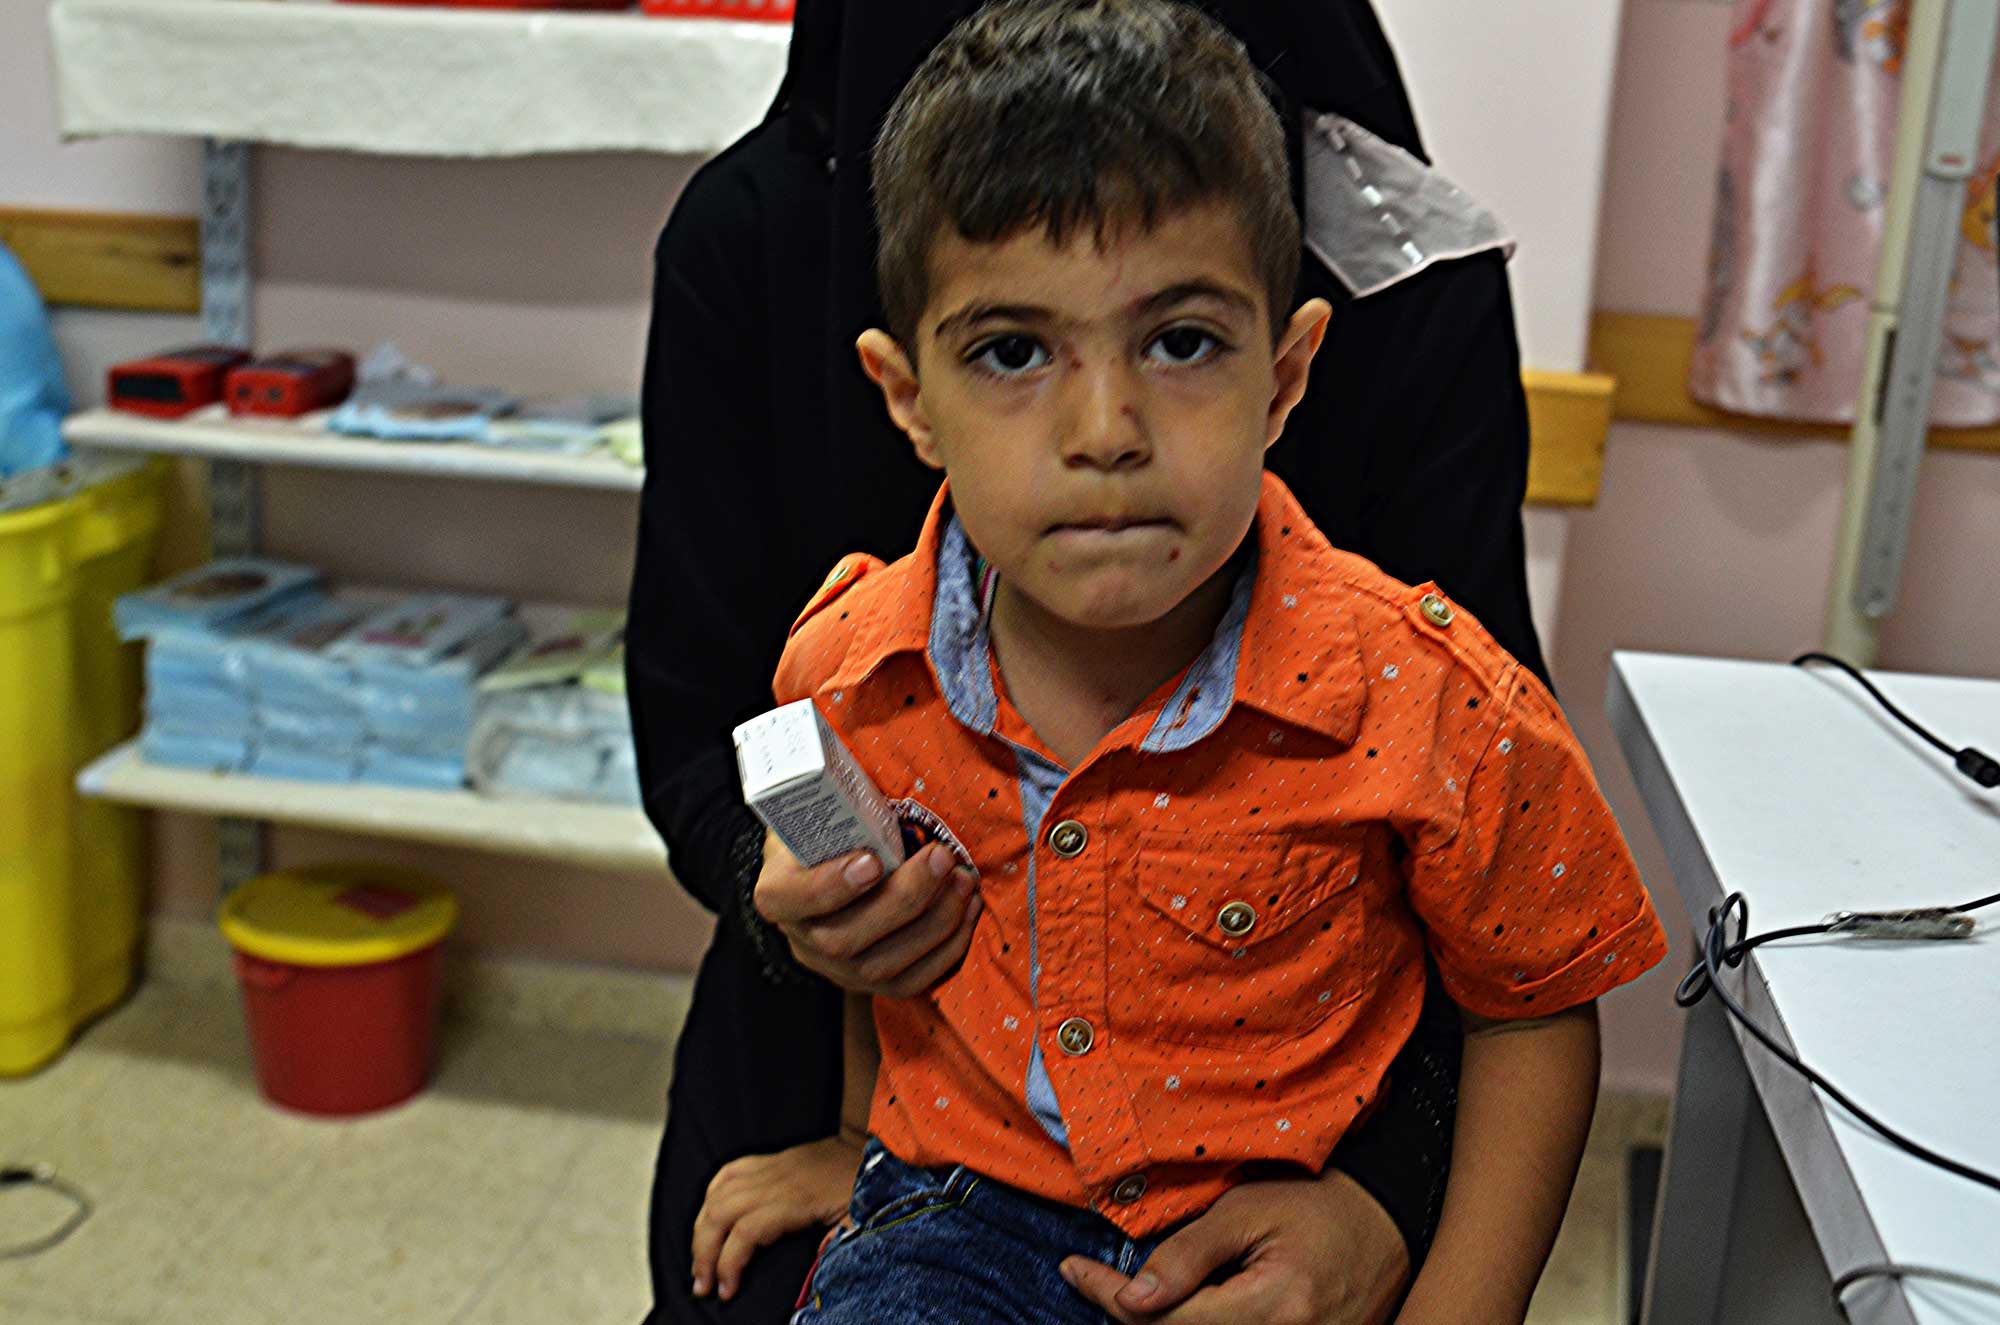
(1535, 904)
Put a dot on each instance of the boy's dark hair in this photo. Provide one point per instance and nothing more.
(1067, 113)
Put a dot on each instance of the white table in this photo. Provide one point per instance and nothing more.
(1794, 788)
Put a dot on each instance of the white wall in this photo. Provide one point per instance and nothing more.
(1513, 99)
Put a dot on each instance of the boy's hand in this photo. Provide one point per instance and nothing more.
(893, 938)
(1310, 1251)
(756, 1200)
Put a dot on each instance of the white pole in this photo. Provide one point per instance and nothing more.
(1947, 64)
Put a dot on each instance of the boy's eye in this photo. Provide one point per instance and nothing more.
(1184, 345)
(1009, 356)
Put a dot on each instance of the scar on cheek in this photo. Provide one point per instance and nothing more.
(1173, 554)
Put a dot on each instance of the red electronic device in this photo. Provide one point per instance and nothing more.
(169, 385)
(763, 11)
(289, 384)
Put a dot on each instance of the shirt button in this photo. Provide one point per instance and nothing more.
(1237, 919)
(1068, 838)
(1129, 1189)
(1075, 1036)
(1437, 609)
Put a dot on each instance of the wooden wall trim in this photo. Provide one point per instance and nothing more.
(108, 260)
(1648, 355)
(1569, 418)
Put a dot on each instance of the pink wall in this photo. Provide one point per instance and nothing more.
(1721, 542)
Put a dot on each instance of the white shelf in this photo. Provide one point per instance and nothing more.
(217, 435)
(411, 81)
(602, 835)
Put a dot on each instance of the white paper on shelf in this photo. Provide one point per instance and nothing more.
(416, 80)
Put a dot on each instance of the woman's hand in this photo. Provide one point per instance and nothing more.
(894, 938)
(1312, 1251)
(754, 1201)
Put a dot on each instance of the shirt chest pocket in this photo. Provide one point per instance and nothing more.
(1237, 940)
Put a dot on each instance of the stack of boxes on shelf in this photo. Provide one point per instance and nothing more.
(199, 710)
(253, 667)
(308, 720)
(415, 664)
(552, 720)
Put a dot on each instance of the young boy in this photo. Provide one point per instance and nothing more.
(1226, 786)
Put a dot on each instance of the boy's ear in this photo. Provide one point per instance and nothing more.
(883, 359)
(1297, 345)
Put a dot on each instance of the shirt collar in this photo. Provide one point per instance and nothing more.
(1287, 645)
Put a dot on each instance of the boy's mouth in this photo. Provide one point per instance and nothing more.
(1111, 524)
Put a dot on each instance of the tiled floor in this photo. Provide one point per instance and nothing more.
(512, 1192)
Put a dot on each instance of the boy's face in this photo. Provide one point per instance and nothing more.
(1102, 413)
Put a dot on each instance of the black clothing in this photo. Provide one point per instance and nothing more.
(769, 455)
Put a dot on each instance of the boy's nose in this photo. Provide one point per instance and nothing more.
(1107, 428)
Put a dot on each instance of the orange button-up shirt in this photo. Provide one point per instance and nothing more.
(1208, 938)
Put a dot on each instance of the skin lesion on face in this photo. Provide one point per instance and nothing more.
(1101, 409)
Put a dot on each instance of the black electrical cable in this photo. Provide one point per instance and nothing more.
(1717, 953)
(1891, 1270)
(1975, 764)
(41, 1175)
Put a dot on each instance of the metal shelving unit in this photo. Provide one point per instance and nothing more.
(389, 80)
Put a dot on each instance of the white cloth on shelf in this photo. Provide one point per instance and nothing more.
(416, 80)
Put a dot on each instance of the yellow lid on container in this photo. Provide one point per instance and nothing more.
(338, 915)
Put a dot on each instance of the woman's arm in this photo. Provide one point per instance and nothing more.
(707, 610)
(1524, 1105)
(861, 1063)
(1299, 1251)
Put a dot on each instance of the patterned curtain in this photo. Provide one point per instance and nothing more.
(1814, 90)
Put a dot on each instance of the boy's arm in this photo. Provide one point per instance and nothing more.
(860, 1060)
(758, 1199)
(1525, 1097)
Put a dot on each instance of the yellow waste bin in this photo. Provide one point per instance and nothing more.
(70, 872)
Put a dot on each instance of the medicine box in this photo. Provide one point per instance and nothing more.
(806, 787)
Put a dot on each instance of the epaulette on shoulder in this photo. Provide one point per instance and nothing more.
(853, 568)
(1428, 611)
(1424, 611)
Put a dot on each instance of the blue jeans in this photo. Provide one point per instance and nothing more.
(949, 1247)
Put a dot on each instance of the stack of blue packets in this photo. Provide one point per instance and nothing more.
(199, 713)
(212, 596)
(200, 710)
(308, 716)
(415, 664)
(553, 721)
